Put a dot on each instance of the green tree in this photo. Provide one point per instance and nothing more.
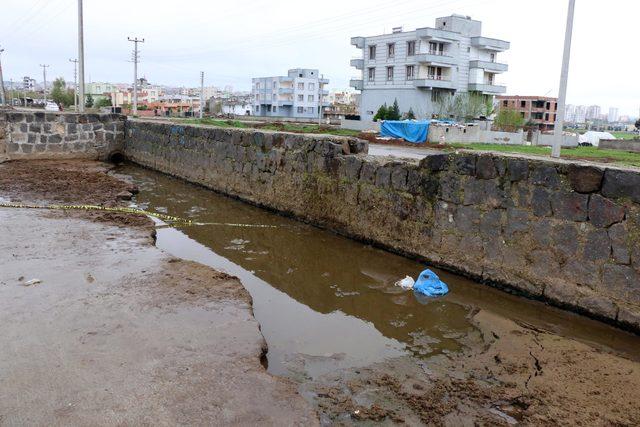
(410, 115)
(393, 113)
(382, 113)
(509, 119)
(60, 94)
(89, 101)
(103, 102)
(638, 124)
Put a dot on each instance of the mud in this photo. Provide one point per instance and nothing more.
(113, 331)
(513, 374)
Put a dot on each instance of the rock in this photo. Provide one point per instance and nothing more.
(383, 176)
(622, 281)
(570, 206)
(465, 164)
(435, 163)
(518, 169)
(486, 168)
(618, 235)
(124, 195)
(597, 246)
(546, 176)
(565, 240)
(585, 179)
(621, 184)
(399, 177)
(604, 212)
(541, 202)
(368, 172)
(346, 148)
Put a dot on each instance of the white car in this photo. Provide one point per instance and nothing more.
(51, 106)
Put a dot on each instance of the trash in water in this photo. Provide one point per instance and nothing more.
(406, 283)
(429, 284)
(32, 282)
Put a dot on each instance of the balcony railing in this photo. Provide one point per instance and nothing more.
(489, 66)
(440, 58)
(358, 63)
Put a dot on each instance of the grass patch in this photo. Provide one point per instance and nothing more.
(216, 122)
(586, 153)
(625, 135)
(279, 126)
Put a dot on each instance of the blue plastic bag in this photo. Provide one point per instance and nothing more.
(429, 284)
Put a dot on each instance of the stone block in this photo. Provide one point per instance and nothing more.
(585, 179)
(621, 184)
(545, 175)
(486, 168)
(565, 240)
(450, 188)
(465, 164)
(541, 202)
(517, 221)
(435, 162)
(383, 176)
(518, 169)
(399, 175)
(570, 206)
(623, 282)
(604, 212)
(368, 172)
(618, 235)
(597, 246)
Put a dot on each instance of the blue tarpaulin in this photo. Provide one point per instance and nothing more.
(429, 284)
(408, 130)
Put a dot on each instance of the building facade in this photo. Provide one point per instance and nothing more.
(614, 115)
(417, 67)
(538, 110)
(299, 94)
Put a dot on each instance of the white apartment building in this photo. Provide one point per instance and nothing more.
(416, 67)
(299, 94)
(614, 115)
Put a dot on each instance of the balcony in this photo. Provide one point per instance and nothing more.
(285, 90)
(358, 42)
(356, 84)
(323, 81)
(490, 44)
(437, 35)
(436, 58)
(487, 88)
(286, 79)
(494, 67)
(358, 63)
(285, 103)
(434, 82)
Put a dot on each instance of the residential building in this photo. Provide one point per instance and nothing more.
(614, 115)
(417, 67)
(299, 94)
(593, 112)
(575, 114)
(28, 84)
(539, 110)
(99, 90)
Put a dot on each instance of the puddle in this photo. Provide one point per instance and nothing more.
(325, 302)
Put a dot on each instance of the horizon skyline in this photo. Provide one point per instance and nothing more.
(534, 58)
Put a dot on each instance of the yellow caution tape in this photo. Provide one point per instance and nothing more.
(99, 208)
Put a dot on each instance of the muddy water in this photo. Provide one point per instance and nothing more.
(325, 302)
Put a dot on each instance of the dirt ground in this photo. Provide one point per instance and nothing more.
(510, 375)
(102, 328)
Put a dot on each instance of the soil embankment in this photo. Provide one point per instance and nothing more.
(102, 328)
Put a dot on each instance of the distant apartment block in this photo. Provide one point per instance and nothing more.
(614, 115)
(28, 84)
(576, 114)
(593, 112)
(416, 67)
(539, 110)
(300, 94)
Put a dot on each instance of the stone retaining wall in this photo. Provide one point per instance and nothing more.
(563, 232)
(631, 145)
(44, 135)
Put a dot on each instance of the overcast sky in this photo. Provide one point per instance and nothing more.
(235, 40)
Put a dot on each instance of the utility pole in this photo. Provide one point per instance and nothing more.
(135, 72)
(2, 92)
(320, 100)
(564, 77)
(201, 94)
(80, 105)
(44, 74)
(75, 83)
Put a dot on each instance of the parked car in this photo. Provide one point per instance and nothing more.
(51, 106)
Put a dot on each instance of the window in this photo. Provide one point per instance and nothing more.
(275, 84)
(411, 48)
(301, 98)
(436, 48)
(310, 98)
(523, 104)
(391, 50)
(546, 117)
(257, 96)
(274, 109)
(505, 103)
(548, 105)
(410, 72)
(257, 108)
(372, 52)
(312, 86)
(257, 85)
(300, 86)
(389, 73)
(310, 110)
(492, 57)
(372, 74)
(434, 73)
(300, 110)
